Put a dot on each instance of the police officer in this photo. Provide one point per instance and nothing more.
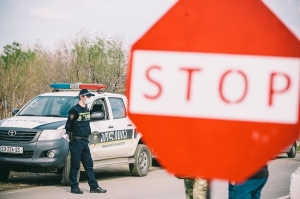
(78, 128)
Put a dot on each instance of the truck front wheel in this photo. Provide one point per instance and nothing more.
(4, 173)
(66, 172)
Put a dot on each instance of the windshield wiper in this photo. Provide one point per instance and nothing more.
(27, 115)
(52, 115)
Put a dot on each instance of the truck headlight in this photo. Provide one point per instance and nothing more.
(52, 134)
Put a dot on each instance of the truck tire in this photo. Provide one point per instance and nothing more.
(142, 162)
(66, 172)
(4, 173)
(292, 153)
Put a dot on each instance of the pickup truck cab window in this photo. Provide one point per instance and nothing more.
(100, 105)
(117, 107)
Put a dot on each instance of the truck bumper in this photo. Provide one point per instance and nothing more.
(35, 155)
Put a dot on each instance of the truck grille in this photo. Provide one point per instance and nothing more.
(26, 154)
(21, 136)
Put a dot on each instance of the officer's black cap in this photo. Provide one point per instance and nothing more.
(86, 92)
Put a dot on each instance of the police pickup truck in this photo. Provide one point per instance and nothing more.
(34, 139)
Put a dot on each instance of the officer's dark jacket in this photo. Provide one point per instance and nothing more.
(79, 121)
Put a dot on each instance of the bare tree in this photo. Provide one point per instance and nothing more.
(26, 73)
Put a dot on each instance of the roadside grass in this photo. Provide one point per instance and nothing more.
(298, 148)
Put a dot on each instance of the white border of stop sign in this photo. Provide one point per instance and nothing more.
(215, 86)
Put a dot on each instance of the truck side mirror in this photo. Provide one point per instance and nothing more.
(15, 111)
(97, 116)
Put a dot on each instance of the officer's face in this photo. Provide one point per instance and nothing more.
(87, 100)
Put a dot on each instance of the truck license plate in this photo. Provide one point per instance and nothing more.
(11, 149)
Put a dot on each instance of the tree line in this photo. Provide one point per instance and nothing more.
(27, 72)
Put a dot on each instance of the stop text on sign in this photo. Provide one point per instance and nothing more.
(215, 86)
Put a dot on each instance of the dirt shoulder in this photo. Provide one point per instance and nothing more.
(20, 180)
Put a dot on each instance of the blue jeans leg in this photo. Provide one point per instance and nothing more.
(231, 191)
(250, 189)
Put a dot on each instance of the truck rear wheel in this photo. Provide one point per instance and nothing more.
(4, 173)
(66, 172)
(142, 161)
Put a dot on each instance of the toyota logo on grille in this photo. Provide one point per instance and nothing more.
(12, 133)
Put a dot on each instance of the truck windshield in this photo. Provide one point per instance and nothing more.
(49, 106)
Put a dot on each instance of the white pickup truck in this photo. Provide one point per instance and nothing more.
(34, 139)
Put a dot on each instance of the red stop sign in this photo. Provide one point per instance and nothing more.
(214, 88)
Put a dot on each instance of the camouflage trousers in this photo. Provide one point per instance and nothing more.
(195, 188)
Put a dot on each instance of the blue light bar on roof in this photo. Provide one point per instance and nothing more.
(60, 86)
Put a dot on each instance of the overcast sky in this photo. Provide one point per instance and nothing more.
(29, 21)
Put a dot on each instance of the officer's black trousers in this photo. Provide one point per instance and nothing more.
(80, 151)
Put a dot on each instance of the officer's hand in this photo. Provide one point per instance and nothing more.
(70, 133)
(66, 136)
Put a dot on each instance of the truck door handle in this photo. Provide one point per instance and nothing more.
(110, 127)
(129, 124)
